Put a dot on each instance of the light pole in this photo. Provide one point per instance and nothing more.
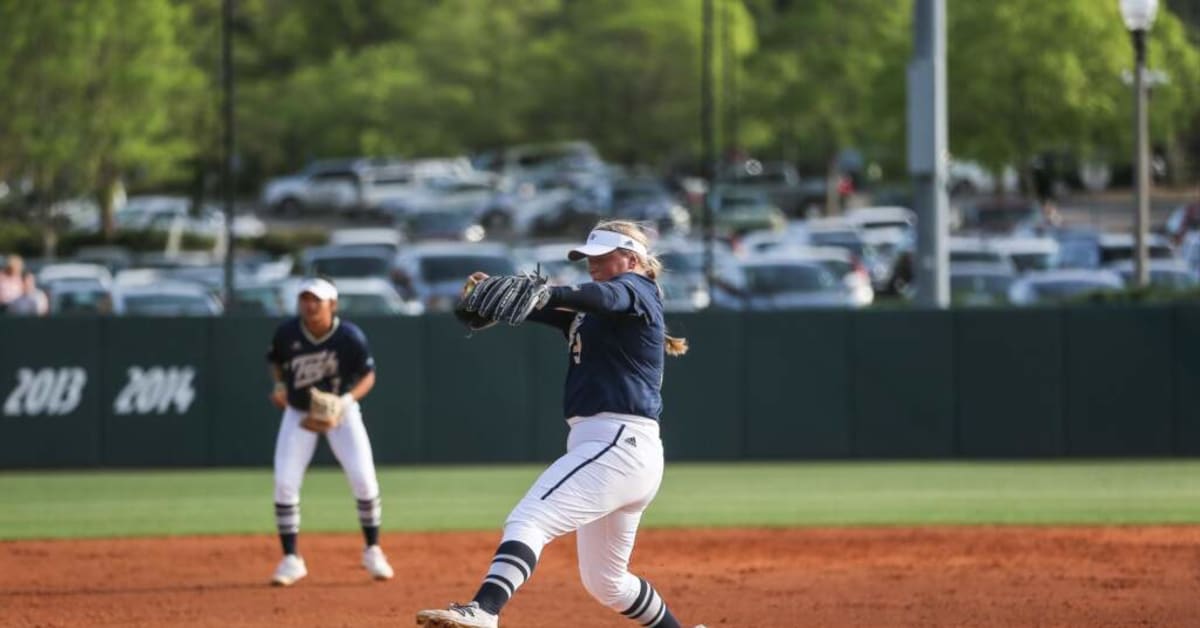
(928, 140)
(1139, 17)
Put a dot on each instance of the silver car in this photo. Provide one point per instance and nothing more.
(1056, 286)
(165, 298)
(781, 283)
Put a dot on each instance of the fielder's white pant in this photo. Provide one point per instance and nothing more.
(599, 489)
(295, 446)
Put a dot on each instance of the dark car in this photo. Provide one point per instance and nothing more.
(1001, 216)
(647, 200)
(350, 262)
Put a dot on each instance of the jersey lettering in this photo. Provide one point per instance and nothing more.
(575, 342)
(310, 368)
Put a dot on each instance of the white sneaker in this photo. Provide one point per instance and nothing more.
(290, 569)
(376, 563)
(458, 616)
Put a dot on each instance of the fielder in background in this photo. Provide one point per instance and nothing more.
(616, 343)
(322, 367)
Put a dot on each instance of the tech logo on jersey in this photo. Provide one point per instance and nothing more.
(310, 368)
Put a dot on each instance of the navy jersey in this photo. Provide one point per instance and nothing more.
(333, 364)
(616, 357)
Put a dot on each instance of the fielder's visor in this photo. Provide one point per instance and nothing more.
(601, 242)
(319, 288)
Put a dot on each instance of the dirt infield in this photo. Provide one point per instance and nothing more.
(969, 576)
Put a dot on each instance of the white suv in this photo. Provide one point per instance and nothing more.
(348, 186)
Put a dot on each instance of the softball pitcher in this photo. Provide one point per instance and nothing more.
(616, 339)
(322, 367)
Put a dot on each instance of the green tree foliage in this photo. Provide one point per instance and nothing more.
(101, 90)
(827, 76)
(1028, 76)
(93, 92)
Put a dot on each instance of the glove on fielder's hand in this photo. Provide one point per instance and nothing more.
(324, 411)
(502, 298)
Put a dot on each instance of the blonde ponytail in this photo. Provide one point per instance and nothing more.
(653, 266)
(676, 346)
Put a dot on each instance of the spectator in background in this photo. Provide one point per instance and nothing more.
(32, 302)
(12, 282)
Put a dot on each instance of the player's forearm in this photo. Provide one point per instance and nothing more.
(596, 297)
(364, 386)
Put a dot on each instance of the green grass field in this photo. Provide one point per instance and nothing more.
(223, 501)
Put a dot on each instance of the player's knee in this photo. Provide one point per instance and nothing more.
(606, 588)
(532, 535)
(287, 493)
(364, 488)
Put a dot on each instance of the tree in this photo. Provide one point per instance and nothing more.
(93, 93)
(829, 76)
(1027, 76)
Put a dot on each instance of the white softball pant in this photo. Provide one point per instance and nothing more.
(599, 489)
(295, 446)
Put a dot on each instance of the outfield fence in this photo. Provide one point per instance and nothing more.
(1118, 381)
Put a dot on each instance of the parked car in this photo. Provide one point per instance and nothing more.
(354, 187)
(1088, 248)
(737, 211)
(1115, 247)
(259, 299)
(443, 224)
(783, 185)
(433, 273)
(76, 288)
(164, 213)
(844, 265)
(165, 298)
(374, 297)
(114, 258)
(845, 235)
(1170, 274)
(782, 283)
(377, 238)
(972, 250)
(1056, 286)
(886, 218)
(70, 296)
(475, 193)
(59, 271)
(647, 200)
(684, 293)
(974, 284)
(1001, 216)
(1027, 253)
(339, 262)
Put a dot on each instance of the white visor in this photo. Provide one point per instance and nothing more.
(319, 288)
(601, 242)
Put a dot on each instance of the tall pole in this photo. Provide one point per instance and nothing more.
(729, 102)
(928, 150)
(227, 168)
(1142, 221)
(707, 130)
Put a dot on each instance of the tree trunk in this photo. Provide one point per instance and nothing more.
(106, 198)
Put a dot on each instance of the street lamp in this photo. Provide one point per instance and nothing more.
(1139, 17)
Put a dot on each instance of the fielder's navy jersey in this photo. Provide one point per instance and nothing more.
(616, 358)
(333, 364)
